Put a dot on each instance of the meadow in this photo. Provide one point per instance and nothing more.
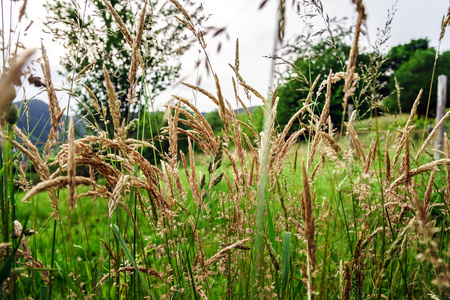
(288, 213)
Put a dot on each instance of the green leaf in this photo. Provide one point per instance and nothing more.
(271, 226)
(286, 262)
(129, 256)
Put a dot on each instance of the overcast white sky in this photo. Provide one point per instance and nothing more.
(255, 30)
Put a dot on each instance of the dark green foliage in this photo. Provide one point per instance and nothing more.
(411, 64)
(319, 59)
(96, 38)
(400, 54)
(10, 115)
(214, 120)
(415, 74)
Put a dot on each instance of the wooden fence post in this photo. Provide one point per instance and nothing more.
(440, 112)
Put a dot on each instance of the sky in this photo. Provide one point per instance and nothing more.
(256, 30)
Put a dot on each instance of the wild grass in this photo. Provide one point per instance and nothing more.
(271, 216)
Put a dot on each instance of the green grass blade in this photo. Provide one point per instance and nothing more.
(298, 289)
(2, 170)
(271, 226)
(272, 241)
(286, 263)
(44, 292)
(129, 256)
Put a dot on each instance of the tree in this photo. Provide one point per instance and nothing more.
(415, 74)
(214, 120)
(400, 54)
(92, 35)
(319, 59)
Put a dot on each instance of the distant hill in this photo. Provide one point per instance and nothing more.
(38, 125)
(239, 110)
(39, 120)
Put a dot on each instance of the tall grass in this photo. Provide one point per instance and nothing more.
(261, 216)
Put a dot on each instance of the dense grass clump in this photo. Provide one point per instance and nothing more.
(289, 213)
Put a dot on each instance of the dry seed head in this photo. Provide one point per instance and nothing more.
(326, 108)
(120, 23)
(23, 183)
(291, 122)
(431, 135)
(114, 105)
(421, 210)
(218, 179)
(314, 172)
(206, 130)
(351, 67)
(413, 110)
(182, 10)
(447, 169)
(204, 92)
(84, 70)
(58, 182)
(22, 10)
(100, 192)
(445, 22)
(282, 154)
(424, 168)
(335, 78)
(429, 190)
(310, 94)
(332, 142)
(193, 181)
(236, 60)
(94, 100)
(56, 113)
(18, 232)
(358, 148)
(255, 92)
(136, 57)
(216, 257)
(222, 109)
(407, 130)
(110, 252)
(112, 272)
(29, 150)
(407, 161)
(241, 82)
(117, 194)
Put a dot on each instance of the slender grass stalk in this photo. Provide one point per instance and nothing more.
(256, 281)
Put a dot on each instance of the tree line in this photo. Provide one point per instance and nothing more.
(94, 42)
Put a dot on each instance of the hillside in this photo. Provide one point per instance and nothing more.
(38, 124)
